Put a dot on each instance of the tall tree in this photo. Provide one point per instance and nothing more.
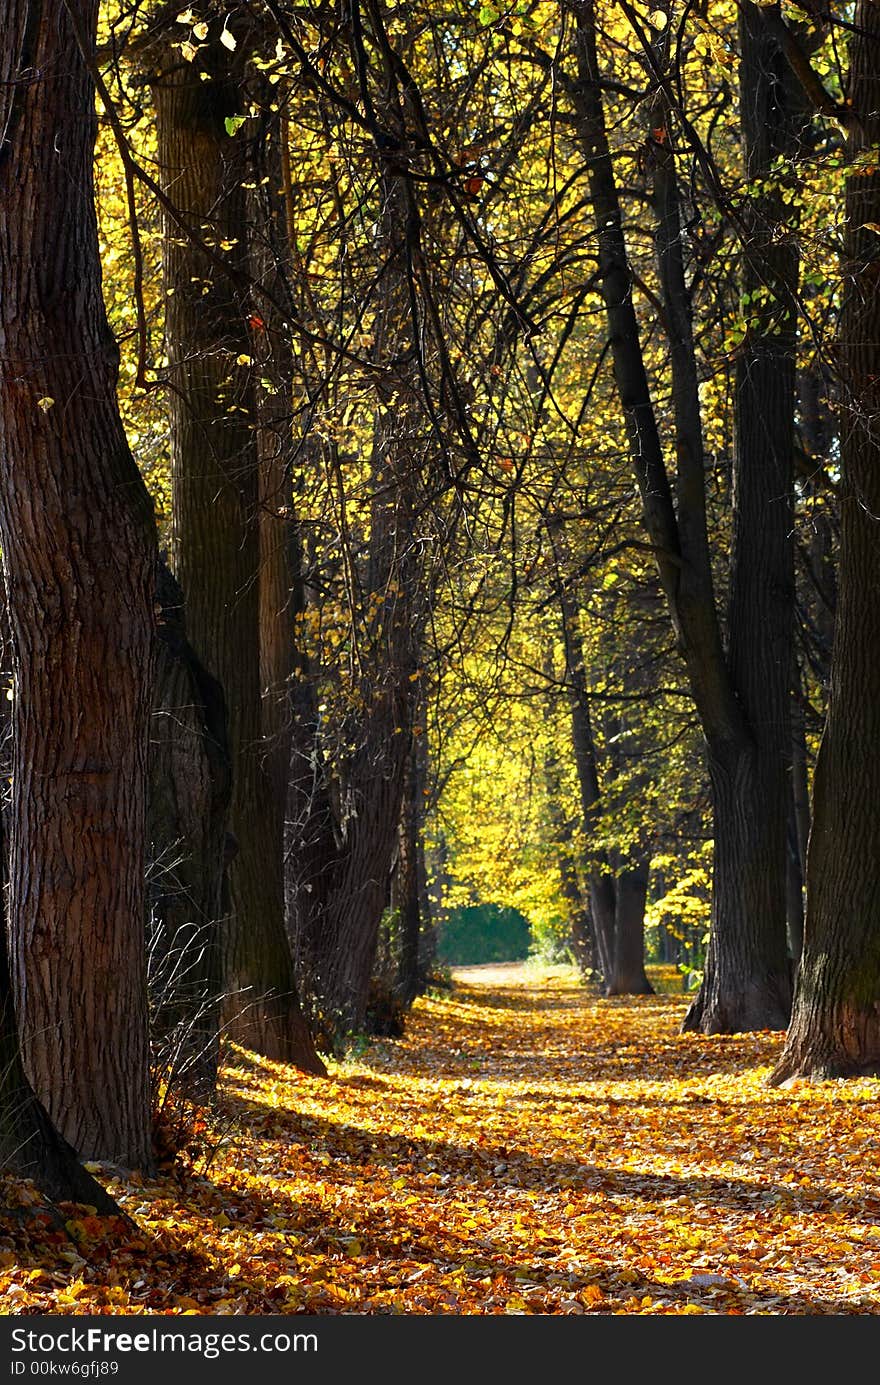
(835, 1027)
(750, 772)
(747, 985)
(344, 817)
(78, 541)
(215, 485)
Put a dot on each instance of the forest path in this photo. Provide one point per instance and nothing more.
(527, 1147)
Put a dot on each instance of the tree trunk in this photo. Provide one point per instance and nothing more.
(798, 819)
(427, 920)
(835, 1027)
(578, 918)
(30, 1146)
(600, 883)
(761, 606)
(190, 783)
(747, 980)
(341, 845)
(628, 971)
(281, 585)
(78, 541)
(794, 892)
(678, 533)
(216, 541)
(338, 930)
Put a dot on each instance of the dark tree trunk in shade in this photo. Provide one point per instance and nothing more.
(738, 992)
(628, 976)
(413, 952)
(835, 1027)
(216, 538)
(798, 819)
(747, 983)
(30, 1146)
(600, 884)
(580, 924)
(427, 919)
(190, 784)
(340, 889)
(578, 917)
(78, 542)
(761, 604)
(794, 897)
(625, 757)
(340, 853)
(616, 919)
(279, 441)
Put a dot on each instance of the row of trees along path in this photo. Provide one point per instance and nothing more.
(332, 422)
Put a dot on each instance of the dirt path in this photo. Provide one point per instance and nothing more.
(526, 1148)
(512, 974)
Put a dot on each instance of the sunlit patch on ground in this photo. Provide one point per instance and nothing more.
(526, 1148)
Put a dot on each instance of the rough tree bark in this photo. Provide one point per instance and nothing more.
(835, 1027)
(282, 437)
(78, 541)
(30, 1146)
(628, 975)
(215, 484)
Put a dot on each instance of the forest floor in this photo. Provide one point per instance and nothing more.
(526, 1148)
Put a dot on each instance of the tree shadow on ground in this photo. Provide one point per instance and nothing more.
(352, 1148)
(395, 1243)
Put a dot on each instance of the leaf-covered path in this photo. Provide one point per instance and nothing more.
(526, 1148)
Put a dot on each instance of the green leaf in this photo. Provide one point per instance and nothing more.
(234, 123)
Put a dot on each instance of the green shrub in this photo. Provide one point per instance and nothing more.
(483, 933)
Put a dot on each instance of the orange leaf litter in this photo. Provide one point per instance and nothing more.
(525, 1148)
